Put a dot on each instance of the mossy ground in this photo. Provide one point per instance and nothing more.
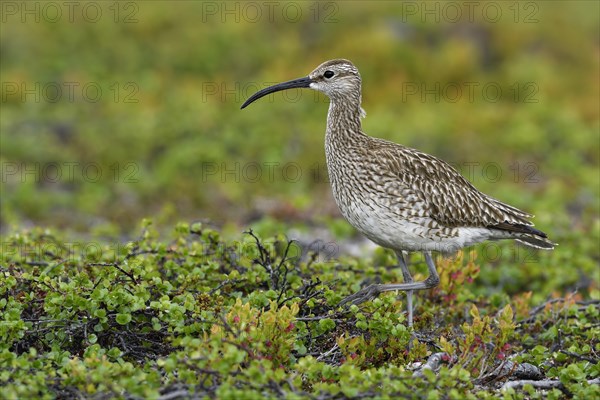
(199, 316)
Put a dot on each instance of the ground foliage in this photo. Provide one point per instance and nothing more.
(199, 316)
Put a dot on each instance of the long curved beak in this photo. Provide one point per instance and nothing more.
(296, 83)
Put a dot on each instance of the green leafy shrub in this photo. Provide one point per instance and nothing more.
(202, 315)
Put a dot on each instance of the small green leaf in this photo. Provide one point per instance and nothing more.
(326, 324)
(123, 318)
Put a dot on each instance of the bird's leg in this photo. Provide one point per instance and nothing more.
(433, 279)
(407, 279)
(372, 291)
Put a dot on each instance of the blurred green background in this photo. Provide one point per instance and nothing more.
(112, 112)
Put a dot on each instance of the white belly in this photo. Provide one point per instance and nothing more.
(397, 230)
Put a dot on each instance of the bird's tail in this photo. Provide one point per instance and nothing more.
(536, 241)
(527, 235)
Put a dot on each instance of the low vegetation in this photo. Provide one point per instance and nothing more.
(198, 316)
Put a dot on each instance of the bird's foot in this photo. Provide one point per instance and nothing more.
(365, 294)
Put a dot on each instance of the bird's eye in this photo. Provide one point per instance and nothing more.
(328, 74)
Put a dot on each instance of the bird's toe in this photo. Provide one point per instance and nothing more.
(363, 295)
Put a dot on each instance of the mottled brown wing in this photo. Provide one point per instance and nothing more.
(450, 198)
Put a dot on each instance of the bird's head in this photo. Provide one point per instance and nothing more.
(338, 79)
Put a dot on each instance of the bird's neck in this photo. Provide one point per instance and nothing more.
(343, 123)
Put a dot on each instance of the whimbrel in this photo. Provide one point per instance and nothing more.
(398, 197)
